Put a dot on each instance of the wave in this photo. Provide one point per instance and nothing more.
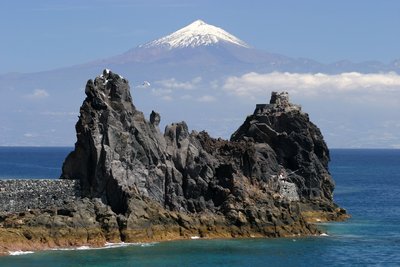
(123, 244)
(108, 246)
(83, 248)
(19, 252)
(148, 244)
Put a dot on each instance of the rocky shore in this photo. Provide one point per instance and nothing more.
(137, 184)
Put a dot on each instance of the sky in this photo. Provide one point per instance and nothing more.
(48, 34)
(352, 109)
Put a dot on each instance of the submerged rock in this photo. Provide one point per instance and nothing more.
(139, 184)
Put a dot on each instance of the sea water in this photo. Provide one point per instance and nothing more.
(367, 185)
(32, 162)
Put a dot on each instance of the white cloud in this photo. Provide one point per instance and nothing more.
(207, 98)
(38, 94)
(215, 84)
(255, 84)
(59, 113)
(160, 92)
(174, 84)
(29, 135)
(170, 89)
(197, 80)
(167, 98)
(186, 97)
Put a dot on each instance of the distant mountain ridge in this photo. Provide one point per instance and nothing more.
(200, 44)
(41, 106)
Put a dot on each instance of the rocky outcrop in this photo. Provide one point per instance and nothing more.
(270, 179)
(275, 162)
(300, 151)
(117, 150)
(79, 222)
(296, 144)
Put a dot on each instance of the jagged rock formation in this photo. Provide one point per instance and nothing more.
(297, 145)
(137, 184)
(274, 167)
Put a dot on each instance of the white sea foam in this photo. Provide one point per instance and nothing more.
(117, 245)
(83, 248)
(123, 244)
(19, 252)
(108, 245)
(63, 249)
(148, 244)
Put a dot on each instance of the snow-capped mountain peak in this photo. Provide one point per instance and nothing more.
(196, 34)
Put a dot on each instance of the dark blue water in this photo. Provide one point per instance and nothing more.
(367, 185)
(32, 162)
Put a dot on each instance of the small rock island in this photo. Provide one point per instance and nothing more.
(132, 183)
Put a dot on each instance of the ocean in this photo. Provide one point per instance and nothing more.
(367, 185)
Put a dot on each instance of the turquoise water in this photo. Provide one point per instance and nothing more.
(367, 185)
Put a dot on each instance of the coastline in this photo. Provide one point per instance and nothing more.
(22, 239)
(356, 241)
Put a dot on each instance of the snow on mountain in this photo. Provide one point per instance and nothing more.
(196, 34)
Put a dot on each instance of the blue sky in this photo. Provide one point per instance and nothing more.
(47, 34)
(352, 109)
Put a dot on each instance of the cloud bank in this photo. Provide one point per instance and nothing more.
(206, 98)
(38, 94)
(352, 109)
(176, 85)
(255, 84)
(173, 89)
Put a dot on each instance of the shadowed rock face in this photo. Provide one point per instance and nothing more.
(296, 142)
(117, 152)
(273, 169)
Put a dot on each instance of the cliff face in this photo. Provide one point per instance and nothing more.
(137, 184)
(117, 152)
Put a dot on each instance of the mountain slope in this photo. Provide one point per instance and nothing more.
(201, 45)
(194, 35)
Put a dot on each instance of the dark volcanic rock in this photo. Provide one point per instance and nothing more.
(297, 145)
(117, 151)
(270, 175)
(137, 184)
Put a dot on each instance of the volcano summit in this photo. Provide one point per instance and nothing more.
(196, 34)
